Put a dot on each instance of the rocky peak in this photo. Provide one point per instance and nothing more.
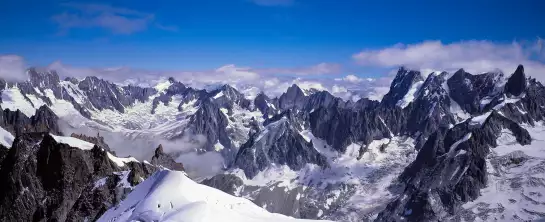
(294, 97)
(227, 96)
(516, 84)
(430, 109)
(176, 88)
(159, 151)
(340, 127)
(44, 180)
(160, 158)
(262, 103)
(294, 90)
(97, 140)
(141, 94)
(72, 80)
(279, 144)
(469, 90)
(323, 99)
(434, 186)
(105, 95)
(402, 83)
(47, 79)
(211, 122)
(45, 120)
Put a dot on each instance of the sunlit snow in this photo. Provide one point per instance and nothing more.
(171, 196)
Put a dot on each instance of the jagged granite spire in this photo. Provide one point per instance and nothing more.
(516, 84)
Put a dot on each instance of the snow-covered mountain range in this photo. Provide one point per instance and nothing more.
(438, 147)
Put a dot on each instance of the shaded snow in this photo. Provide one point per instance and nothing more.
(6, 138)
(452, 149)
(515, 189)
(410, 96)
(479, 120)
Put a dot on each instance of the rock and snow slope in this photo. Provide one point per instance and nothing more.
(172, 196)
(427, 151)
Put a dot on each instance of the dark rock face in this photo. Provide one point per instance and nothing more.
(449, 170)
(516, 84)
(265, 105)
(14, 121)
(225, 182)
(45, 120)
(228, 97)
(468, 90)
(17, 123)
(279, 144)
(294, 98)
(105, 95)
(210, 122)
(341, 127)
(47, 181)
(98, 140)
(160, 158)
(533, 102)
(430, 109)
(401, 84)
(3, 153)
(323, 99)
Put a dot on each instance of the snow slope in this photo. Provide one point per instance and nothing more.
(13, 99)
(6, 139)
(172, 196)
(73, 142)
(368, 175)
(516, 181)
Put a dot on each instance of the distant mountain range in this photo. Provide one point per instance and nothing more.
(438, 147)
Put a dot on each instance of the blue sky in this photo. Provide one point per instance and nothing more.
(197, 35)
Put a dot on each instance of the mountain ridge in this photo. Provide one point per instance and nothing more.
(340, 149)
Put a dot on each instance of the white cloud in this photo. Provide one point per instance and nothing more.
(354, 79)
(318, 69)
(12, 68)
(473, 56)
(338, 89)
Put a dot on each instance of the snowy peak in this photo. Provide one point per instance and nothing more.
(279, 144)
(227, 96)
(154, 200)
(160, 158)
(403, 87)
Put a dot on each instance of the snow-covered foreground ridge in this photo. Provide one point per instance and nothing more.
(172, 196)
